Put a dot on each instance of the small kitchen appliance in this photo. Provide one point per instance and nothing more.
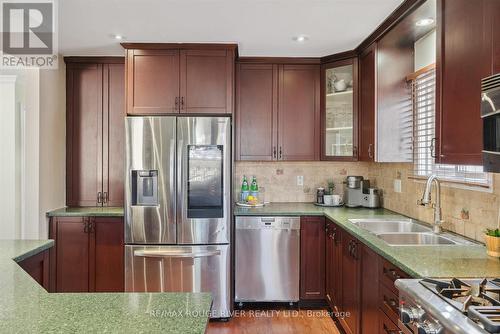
(357, 193)
(462, 306)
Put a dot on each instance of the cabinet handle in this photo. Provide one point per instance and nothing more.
(105, 197)
(99, 197)
(85, 225)
(370, 153)
(281, 154)
(182, 103)
(91, 228)
(355, 151)
(176, 103)
(274, 152)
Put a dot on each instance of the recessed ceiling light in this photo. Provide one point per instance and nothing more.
(300, 38)
(118, 37)
(424, 22)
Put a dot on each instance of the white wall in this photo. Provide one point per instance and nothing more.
(52, 143)
(10, 222)
(425, 50)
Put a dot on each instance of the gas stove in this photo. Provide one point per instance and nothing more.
(440, 306)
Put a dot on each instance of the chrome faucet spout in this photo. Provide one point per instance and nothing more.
(426, 200)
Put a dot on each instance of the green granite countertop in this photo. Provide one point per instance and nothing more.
(100, 211)
(418, 261)
(25, 307)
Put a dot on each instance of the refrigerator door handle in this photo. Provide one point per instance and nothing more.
(152, 253)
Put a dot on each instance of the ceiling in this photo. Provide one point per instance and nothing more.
(260, 27)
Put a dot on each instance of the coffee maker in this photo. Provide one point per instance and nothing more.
(357, 193)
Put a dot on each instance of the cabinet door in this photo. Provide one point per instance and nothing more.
(298, 112)
(84, 134)
(493, 10)
(108, 254)
(333, 266)
(367, 90)
(463, 59)
(37, 266)
(113, 134)
(256, 112)
(351, 255)
(207, 82)
(312, 258)
(369, 289)
(339, 111)
(72, 248)
(152, 82)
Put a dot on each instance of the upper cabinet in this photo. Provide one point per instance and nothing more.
(94, 131)
(277, 113)
(179, 78)
(468, 44)
(340, 110)
(367, 103)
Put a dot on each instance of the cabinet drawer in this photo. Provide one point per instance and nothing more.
(389, 273)
(386, 326)
(388, 303)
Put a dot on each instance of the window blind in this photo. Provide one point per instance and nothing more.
(423, 92)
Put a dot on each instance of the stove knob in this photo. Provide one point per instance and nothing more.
(428, 328)
(410, 314)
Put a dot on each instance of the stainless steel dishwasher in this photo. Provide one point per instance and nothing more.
(267, 259)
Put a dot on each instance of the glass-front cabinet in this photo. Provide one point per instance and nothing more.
(339, 110)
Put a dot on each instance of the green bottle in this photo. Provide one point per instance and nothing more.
(253, 186)
(244, 185)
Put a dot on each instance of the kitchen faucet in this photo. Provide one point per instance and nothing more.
(426, 200)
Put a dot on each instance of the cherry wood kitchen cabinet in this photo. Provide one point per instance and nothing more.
(339, 110)
(351, 280)
(37, 266)
(298, 113)
(464, 57)
(94, 131)
(256, 111)
(369, 289)
(88, 254)
(333, 266)
(179, 78)
(277, 114)
(367, 104)
(312, 258)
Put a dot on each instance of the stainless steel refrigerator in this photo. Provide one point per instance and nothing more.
(178, 206)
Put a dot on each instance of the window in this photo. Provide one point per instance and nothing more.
(423, 89)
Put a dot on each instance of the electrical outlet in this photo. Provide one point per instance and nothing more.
(300, 180)
(397, 186)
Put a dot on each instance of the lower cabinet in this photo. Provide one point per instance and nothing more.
(37, 266)
(360, 284)
(312, 258)
(88, 255)
(351, 296)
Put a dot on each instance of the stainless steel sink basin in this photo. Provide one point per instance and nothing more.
(378, 226)
(411, 239)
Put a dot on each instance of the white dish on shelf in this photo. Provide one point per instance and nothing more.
(247, 205)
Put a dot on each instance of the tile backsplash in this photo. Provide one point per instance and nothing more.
(278, 180)
(466, 212)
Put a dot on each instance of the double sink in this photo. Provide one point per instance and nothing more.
(402, 232)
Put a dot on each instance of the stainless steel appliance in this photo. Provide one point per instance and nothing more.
(267, 255)
(462, 306)
(357, 193)
(490, 113)
(177, 212)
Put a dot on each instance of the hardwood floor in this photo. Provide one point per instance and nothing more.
(276, 322)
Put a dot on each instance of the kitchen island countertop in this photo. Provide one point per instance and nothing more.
(25, 307)
(97, 211)
(418, 261)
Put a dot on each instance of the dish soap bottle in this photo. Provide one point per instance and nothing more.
(244, 189)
